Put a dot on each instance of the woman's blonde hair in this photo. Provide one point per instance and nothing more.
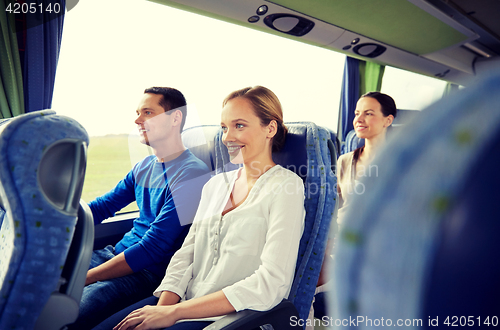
(267, 107)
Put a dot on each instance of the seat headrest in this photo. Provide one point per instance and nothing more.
(293, 155)
(39, 145)
(200, 140)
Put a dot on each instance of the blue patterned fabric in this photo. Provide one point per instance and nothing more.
(389, 240)
(352, 142)
(35, 234)
(2, 215)
(320, 190)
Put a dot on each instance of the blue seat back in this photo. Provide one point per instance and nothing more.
(42, 166)
(352, 142)
(206, 144)
(310, 152)
(422, 241)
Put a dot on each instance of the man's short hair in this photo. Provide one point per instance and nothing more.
(172, 100)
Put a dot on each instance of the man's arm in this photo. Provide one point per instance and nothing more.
(121, 195)
(116, 267)
(102, 208)
(166, 233)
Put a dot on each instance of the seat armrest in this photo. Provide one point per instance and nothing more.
(79, 255)
(280, 317)
(112, 230)
(59, 311)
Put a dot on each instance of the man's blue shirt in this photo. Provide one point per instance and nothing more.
(167, 195)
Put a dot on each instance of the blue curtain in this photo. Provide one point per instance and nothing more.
(349, 96)
(11, 81)
(43, 42)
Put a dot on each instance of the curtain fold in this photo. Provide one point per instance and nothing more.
(43, 43)
(349, 96)
(11, 79)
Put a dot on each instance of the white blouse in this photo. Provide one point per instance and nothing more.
(250, 252)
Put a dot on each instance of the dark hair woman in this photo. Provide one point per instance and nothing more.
(374, 113)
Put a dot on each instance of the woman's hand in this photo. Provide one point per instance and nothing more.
(149, 317)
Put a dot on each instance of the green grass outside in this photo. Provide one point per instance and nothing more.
(108, 161)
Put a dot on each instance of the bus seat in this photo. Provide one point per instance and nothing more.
(205, 143)
(422, 244)
(60, 309)
(199, 140)
(352, 142)
(310, 153)
(42, 167)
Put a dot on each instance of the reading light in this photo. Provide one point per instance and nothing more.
(262, 10)
(253, 19)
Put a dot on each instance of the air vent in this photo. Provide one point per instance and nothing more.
(370, 50)
(289, 24)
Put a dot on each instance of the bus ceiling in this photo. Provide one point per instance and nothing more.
(445, 39)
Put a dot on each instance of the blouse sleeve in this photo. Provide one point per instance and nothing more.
(271, 282)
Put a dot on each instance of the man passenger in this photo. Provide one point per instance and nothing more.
(167, 188)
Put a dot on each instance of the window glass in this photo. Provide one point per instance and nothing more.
(411, 91)
(112, 50)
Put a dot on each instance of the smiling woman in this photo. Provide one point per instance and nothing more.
(374, 113)
(239, 133)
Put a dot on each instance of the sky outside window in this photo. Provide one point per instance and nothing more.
(112, 50)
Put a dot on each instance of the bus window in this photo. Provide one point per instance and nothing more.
(410, 90)
(105, 66)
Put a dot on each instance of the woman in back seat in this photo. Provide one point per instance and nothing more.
(374, 112)
(241, 250)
